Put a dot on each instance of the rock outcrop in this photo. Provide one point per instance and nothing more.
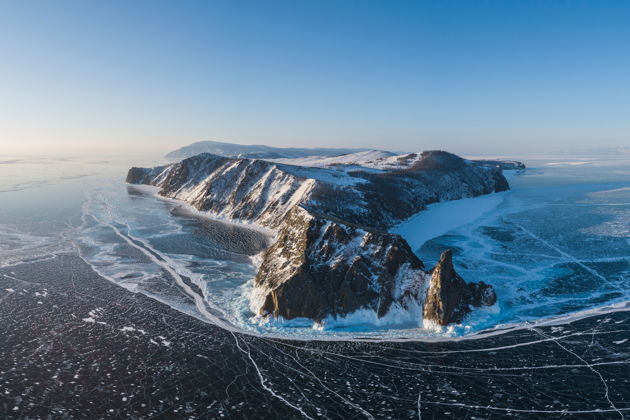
(320, 267)
(238, 189)
(506, 165)
(333, 254)
(263, 192)
(449, 297)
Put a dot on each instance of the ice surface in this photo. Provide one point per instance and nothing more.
(440, 218)
(549, 250)
(357, 158)
(556, 345)
(557, 244)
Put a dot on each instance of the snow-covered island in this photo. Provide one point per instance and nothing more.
(335, 252)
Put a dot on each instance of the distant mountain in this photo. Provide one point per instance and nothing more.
(254, 151)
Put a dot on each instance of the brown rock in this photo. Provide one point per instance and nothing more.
(320, 267)
(449, 297)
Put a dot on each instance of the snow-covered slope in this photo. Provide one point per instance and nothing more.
(350, 159)
(253, 151)
(380, 161)
(241, 189)
(319, 267)
(263, 192)
(332, 223)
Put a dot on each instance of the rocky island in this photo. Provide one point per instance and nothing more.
(333, 252)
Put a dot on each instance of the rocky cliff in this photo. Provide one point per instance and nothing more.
(333, 254)
(321, 267)
(506, 165)
(449, 298)
(244, 189)
(263, 192)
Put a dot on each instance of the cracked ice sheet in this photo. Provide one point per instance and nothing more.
(548, 251)
(135, 241)
(440, 218)
(147, 359)
(54, 364)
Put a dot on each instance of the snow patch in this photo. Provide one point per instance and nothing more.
(327, 161)
(360, 320)
(440, 218)
(397, 317)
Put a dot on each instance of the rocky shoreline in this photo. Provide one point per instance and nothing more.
(333, 254)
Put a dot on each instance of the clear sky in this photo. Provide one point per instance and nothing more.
(466, 76)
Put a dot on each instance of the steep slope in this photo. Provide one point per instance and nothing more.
(319, 267)
(243, 189)
(333, 254)
(263, 192)
(449, 297)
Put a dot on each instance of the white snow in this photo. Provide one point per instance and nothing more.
(347, 159)
(569, 163)
(394, 163)
(439, 218)
(94, 314)
(330, 176)
(397, 316)
(372, 160)
(359, 320)
(257, 298)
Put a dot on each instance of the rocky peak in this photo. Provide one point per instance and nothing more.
(438, 160)
(506, 165)
(320, 267)
(449, 297)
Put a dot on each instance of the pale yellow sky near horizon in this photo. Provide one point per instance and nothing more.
(81, 148)
(119, 78)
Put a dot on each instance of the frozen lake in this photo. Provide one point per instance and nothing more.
(556, 244)
(177, 336)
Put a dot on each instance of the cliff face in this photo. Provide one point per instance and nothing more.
(430, 177)
(263, 192)
(506, 165)
(243, 189)
(321, 267)
(449, 297)
(333, 254)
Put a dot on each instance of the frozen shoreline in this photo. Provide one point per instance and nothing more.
(440, 218)
(153, 191)
(365, 326)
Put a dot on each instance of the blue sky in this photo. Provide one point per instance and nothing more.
(502, 77)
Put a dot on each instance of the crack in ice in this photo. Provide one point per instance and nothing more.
(590, 366)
